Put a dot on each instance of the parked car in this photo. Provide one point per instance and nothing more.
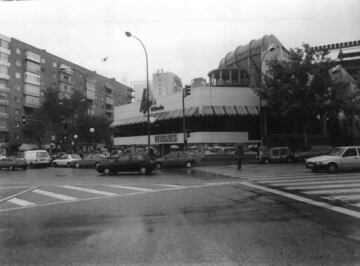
(314, 151)
(177, 159)
(128, 162)
(13, 162)
(66, 160)
(275, 154)
(37, 158)
(89, 160)
(340, 158)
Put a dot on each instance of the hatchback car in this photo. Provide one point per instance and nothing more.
(13, 162)
(314, 151)
(128, 162)
(340, 158)
(90, 160)
(177, 159)
(65, 160)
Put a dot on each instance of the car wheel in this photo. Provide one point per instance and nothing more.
(158, 165)
(188, 164)
(11, 168)
(77, 165)
(289, 160)
(143, 170)
(106, 171)
(97, 165)
(332, 167)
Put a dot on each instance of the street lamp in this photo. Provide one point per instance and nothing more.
(92, 130)
(128, 34)
(75, 140)
(263, 128)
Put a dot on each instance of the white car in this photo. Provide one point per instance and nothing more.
(340, 158)
(65, 160)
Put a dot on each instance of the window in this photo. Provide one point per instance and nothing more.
(17, 136)
(124, 158)
(350, 152)
(4, 44)
(18, 51)
(17, 112)
(43, 60)
(17, 87)
(16, 124)
(17, 99)
(54, 64)
(18, 63)
(17, 75)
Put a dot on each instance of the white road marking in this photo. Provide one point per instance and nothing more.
(306, 200)
(53, 195)
(95, 191)
(310, 183)
(129, 187)
(17, 194)
(171, 186)
(333, 191)
(350, 185)
(344, 197)
(14, 187)
(21, 202)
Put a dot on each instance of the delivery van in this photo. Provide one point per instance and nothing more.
(37, 158)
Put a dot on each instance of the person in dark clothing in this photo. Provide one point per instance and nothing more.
(239, 154)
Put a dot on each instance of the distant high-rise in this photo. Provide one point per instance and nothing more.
(165, 83)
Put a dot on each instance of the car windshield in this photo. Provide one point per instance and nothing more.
(337, 151)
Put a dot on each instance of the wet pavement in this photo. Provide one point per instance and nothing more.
(171, 217)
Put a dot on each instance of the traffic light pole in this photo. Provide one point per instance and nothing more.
(184, 125)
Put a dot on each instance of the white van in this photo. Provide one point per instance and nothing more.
(37, 158)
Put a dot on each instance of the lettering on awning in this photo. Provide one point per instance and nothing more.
(170, 138)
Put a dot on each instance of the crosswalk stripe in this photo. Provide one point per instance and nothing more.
(95, 191)
(21, 202)
(171, 186)
(310, 183)
(304, 177)
(344, 197)
(53, 195)
(333, 191)
(327, 185)
(129, 187)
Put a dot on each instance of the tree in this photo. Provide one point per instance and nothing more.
(297, 89)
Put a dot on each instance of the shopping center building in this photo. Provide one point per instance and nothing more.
(219, 116)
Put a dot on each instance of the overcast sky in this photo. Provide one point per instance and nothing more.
(188, 38)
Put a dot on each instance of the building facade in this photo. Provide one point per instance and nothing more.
(27, 71)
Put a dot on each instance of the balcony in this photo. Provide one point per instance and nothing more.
(90, 94)
(4, 89)
(4, 127)
(32, 78)
(4, 63)
(32, 57)
(4, 100)
(31, 102)
(4, 76)
(32, 90)
(5, 51)
(109, 101)
(4, 115)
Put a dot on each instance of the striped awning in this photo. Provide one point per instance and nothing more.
(229, 110)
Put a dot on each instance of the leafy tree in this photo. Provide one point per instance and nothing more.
(299, 89)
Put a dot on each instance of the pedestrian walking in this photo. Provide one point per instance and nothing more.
(239, 154)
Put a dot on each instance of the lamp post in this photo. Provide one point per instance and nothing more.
(128, 34)
(91, 130)
(263, 128)
(75, 140)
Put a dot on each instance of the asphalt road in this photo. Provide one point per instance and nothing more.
(60, 216)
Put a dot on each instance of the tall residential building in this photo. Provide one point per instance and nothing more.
(26, 72)
(165, 83)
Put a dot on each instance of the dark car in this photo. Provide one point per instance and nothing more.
(13, 162)
(128, 162)
(89, 160)
(275, 154)
(177, 159)
(316, 150)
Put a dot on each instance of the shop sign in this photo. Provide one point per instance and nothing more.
(171, 138)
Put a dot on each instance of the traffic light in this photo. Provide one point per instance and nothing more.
(187, 91)
(23, 120)
(188, 133)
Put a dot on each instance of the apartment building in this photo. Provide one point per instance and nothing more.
(165, 83)
(27, 71)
